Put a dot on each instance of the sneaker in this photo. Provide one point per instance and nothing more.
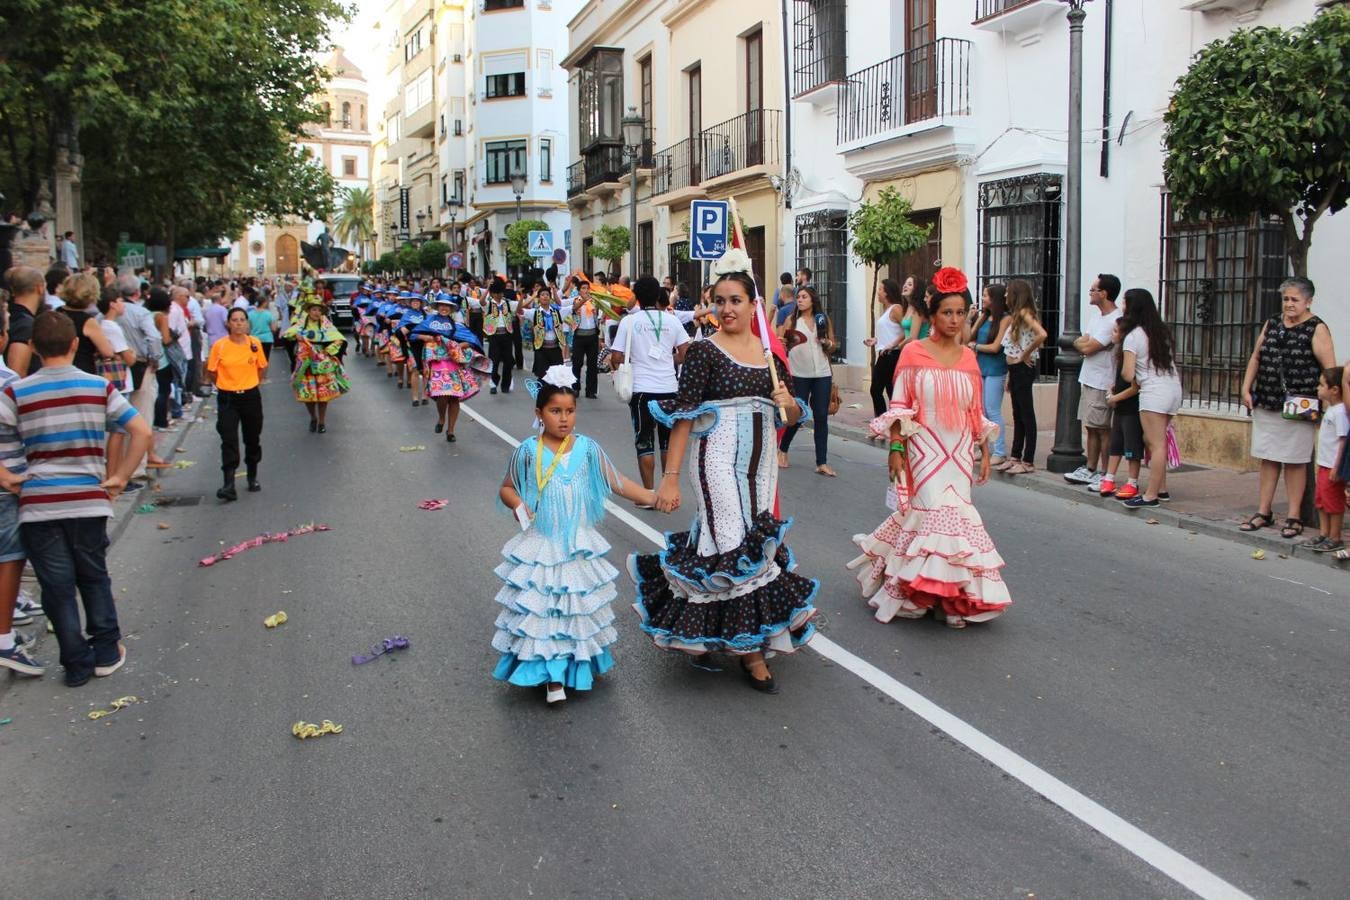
(21, 618)
(1095, 483)
(105, 671)
(1140, 503)
(1127, 491)
(552, 696)
(1164, 496)
(1330, 546)
(1107, 486)
(17, 658)
(1080, 475)
(26, 604)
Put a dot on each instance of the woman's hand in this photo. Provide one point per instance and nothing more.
(668, 495)
(782, 398)
(1111, 400)
(984, 465)
(869, 342)
(896, 464)
(1247, 400)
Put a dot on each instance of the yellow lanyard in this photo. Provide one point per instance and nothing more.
(541, 477)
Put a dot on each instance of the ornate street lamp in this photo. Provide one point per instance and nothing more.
(518, 188)
(1067, 453)
(634, 130)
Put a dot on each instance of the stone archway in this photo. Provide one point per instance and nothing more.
(287, 255)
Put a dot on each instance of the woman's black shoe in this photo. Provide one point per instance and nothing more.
(440, 426)
(313, 426)
(254, 487)
(450, 438)
(323, 429)
(425, 401)
(764, 686)
(227, 493)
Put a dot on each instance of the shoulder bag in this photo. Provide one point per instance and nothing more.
(1296, 407)
(623, 373)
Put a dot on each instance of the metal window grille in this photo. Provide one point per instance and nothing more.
(1220, 279)
(684, 270)
(646, 251)
(822, 246)
(818, 43)
(1020, 237)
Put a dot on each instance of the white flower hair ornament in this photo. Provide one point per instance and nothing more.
(560, 376)
(734, 260)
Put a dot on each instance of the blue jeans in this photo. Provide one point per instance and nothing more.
(67, 554)
(815, 393)
(993, 409)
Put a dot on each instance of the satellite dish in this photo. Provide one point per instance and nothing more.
(1120, 138)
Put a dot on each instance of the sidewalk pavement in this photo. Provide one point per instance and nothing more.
(1207, 500)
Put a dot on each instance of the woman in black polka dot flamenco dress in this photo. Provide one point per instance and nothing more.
(726, 585)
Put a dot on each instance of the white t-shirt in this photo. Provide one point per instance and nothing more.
(1099, 369)
(1137, 343)
(115, 335)
(1335, 425)
(647, 338)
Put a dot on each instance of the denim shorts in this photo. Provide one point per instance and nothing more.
(11, 548)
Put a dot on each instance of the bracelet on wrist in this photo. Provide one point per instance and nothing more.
(676, 474)
(897, 446)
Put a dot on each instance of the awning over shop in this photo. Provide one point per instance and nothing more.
(201, 252)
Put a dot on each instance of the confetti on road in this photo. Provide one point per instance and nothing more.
(1258, 554)
(163, 526)
(184, 463)
(253, 543)
(119, 703)
(413, 448)
(389, 644)
(304, 730)
(277, 618)
(431, 505)
(6, 720)
(146, 508)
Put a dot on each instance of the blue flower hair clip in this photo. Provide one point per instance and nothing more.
(533, 385)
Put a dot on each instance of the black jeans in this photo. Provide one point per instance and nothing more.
(883, 380)
(164, 378)
(815, 393)
(68, 554)
(648, 434)
(503, 355)
(586, 351)
(242, 409)
(545, 357)
(194, 371)
(1020, 379)
(518, 344)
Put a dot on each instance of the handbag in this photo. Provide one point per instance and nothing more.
(115, 371)
(1297, 407)
(835, 400)
(622, 374)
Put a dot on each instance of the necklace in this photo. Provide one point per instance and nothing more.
(541, 476)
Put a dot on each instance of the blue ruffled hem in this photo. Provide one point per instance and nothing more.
(579, 675)
(669, 419)
(745, 567)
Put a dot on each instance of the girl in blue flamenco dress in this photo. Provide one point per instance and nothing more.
(556, 623)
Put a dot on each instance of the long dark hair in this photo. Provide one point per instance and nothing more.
(890, 291)
(1126, 325)
(997, 307)
(1139, 306)
(817, 313)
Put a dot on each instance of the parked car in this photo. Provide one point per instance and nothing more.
(342, 286)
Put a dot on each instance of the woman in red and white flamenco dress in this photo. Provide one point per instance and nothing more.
(933, 553)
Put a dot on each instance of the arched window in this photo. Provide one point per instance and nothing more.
(346, 115)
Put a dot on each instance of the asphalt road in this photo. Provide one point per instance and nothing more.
(1196, 693)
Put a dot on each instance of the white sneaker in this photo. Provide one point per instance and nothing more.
(1095, 484)
(553, 696)
(1080, 475)
(105, 671)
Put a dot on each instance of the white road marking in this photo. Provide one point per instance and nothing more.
(1184, 871)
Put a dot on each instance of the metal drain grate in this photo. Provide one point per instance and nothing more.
(177, 500)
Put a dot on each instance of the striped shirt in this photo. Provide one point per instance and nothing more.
(62, 416)
(12, 456)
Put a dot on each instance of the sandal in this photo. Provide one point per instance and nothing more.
(1330, 546)
(826, 471)
(1258, 521)
(1005, 465)
(1343, 554)
(1292, 528)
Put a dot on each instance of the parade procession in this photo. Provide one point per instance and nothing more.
(674, 448)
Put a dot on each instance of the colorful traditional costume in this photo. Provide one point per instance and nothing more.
(455, 361)
(933, 550)
(557, 624)
(318, 376)
(727, 584)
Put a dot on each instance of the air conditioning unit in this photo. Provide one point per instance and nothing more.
(459, 127)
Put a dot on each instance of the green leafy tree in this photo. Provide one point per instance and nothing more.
(409, 260)
(1260, 123)
(354, 222)
(518, 241)
(180, 143)
(431, 256)
(387, 263)
(881, 230)
(611, 243)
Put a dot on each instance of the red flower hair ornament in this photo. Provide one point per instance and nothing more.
(949, 280)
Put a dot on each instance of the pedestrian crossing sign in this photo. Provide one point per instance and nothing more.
(541, 244)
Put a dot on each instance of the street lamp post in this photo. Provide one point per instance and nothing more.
(518, 188)
(1067, 453)
(634, 129)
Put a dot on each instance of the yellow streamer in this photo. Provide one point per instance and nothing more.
(119, 703)
(304, 730)
(541, 477)
(277, 618)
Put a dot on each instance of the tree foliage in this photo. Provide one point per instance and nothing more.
(184, 111)
(409, 260)
(881, 230)
(431, 256)
(518, 241)
(1260, 123)
(611, 243)
(387, 264)
(355, 218)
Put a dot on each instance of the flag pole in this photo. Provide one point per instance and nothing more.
(739, 241)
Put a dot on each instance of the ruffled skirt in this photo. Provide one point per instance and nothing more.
(746, 600)
(556, 621)
(452, 379)
(319, 382)
(940, 559)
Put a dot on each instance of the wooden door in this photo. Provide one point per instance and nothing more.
(924, 262)
(754, 99)
(920, 59)
(288, 255)
(696, 124)
(754, 248)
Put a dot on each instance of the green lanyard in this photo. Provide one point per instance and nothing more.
(655, 325)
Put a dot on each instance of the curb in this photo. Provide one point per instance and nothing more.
(1163, 515)
(124, 517)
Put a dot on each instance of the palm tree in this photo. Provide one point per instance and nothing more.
(355, 220)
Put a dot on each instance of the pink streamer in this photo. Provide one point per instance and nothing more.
(431, 505)
(252, 543)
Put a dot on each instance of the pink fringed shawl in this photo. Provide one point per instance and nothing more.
(951, 411)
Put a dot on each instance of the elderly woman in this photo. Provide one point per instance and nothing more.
(1292, 350)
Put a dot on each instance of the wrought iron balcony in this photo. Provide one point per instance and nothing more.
(818, 32)
(931, 81)
(984, 9)
(604, 163)
(576, 178)
(750, 139)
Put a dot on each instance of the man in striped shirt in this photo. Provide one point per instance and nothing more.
(62, 416)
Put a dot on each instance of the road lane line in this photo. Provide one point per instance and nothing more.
(1184, 871)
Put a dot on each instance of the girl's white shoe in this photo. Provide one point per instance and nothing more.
(555, 696)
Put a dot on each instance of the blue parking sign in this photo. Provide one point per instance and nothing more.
(708, 228)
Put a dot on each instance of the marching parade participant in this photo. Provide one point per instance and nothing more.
(456, 366)
(499, 324)
(413, 350)
(933, 552)
(548, 328)
(318, 379)
(726, 585)
(556, 485)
